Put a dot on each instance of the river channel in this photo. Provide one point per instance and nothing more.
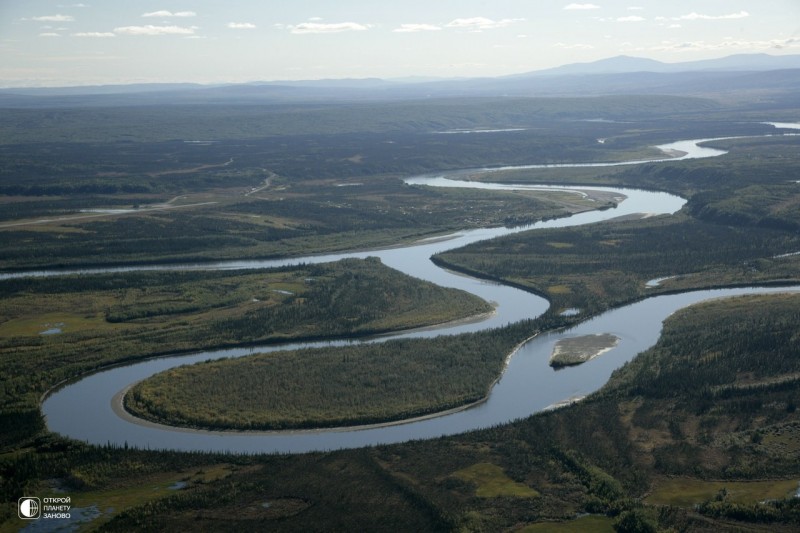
(88, 409)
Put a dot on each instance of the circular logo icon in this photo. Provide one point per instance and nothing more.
(29, 508)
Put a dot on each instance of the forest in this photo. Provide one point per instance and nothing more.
(699, 433)
(614, 455)
(96, 321)
(345, 386)
(286, 219)
(738, 227)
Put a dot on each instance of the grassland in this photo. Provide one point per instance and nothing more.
(491, 482)
(584, 524)
(686, 492)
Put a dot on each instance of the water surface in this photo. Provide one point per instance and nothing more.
(83, 410)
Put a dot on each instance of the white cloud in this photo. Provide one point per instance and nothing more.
(635, 8)
(632, 18)
(241, 26)
(338, 27)
(155, 30)
(481, 23)
(55, 18)
(698, 16)
(94, 34)
(49, 34)
(316, 19)
(164, 13)
(572, 7)
(727, 45)
(574, 46)
(415, 28)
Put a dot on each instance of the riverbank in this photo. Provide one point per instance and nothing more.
(118, 405)
(500, 407)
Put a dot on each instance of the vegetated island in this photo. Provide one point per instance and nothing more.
(330, 387)
(578, 350)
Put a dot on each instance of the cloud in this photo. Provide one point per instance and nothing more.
(54, 18)
(698, 16)
(573, 7)
(99, 34)
(635, 8)
(164, 13)
(415, 28)
(49, 34)
(480, 23)
(727, 45)
(155, 30)
(241, 26)
(575, 46)
(632, 18)
(338, 27)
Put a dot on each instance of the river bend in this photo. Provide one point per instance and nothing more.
(88, 409)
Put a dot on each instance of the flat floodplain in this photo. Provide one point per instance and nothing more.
(686, 492)
(733, 419)
(94, 321)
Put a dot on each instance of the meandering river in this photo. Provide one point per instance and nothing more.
(89, 410)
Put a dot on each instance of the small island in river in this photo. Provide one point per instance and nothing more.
(577, 350)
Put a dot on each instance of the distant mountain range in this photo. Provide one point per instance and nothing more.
(743, 75)
(628, 64)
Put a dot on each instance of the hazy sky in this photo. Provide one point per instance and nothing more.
(113, 41)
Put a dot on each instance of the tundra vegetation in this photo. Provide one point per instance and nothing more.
(739, 226)
(650, 448)
(677, 439)
(342, 386)
(113, 318)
